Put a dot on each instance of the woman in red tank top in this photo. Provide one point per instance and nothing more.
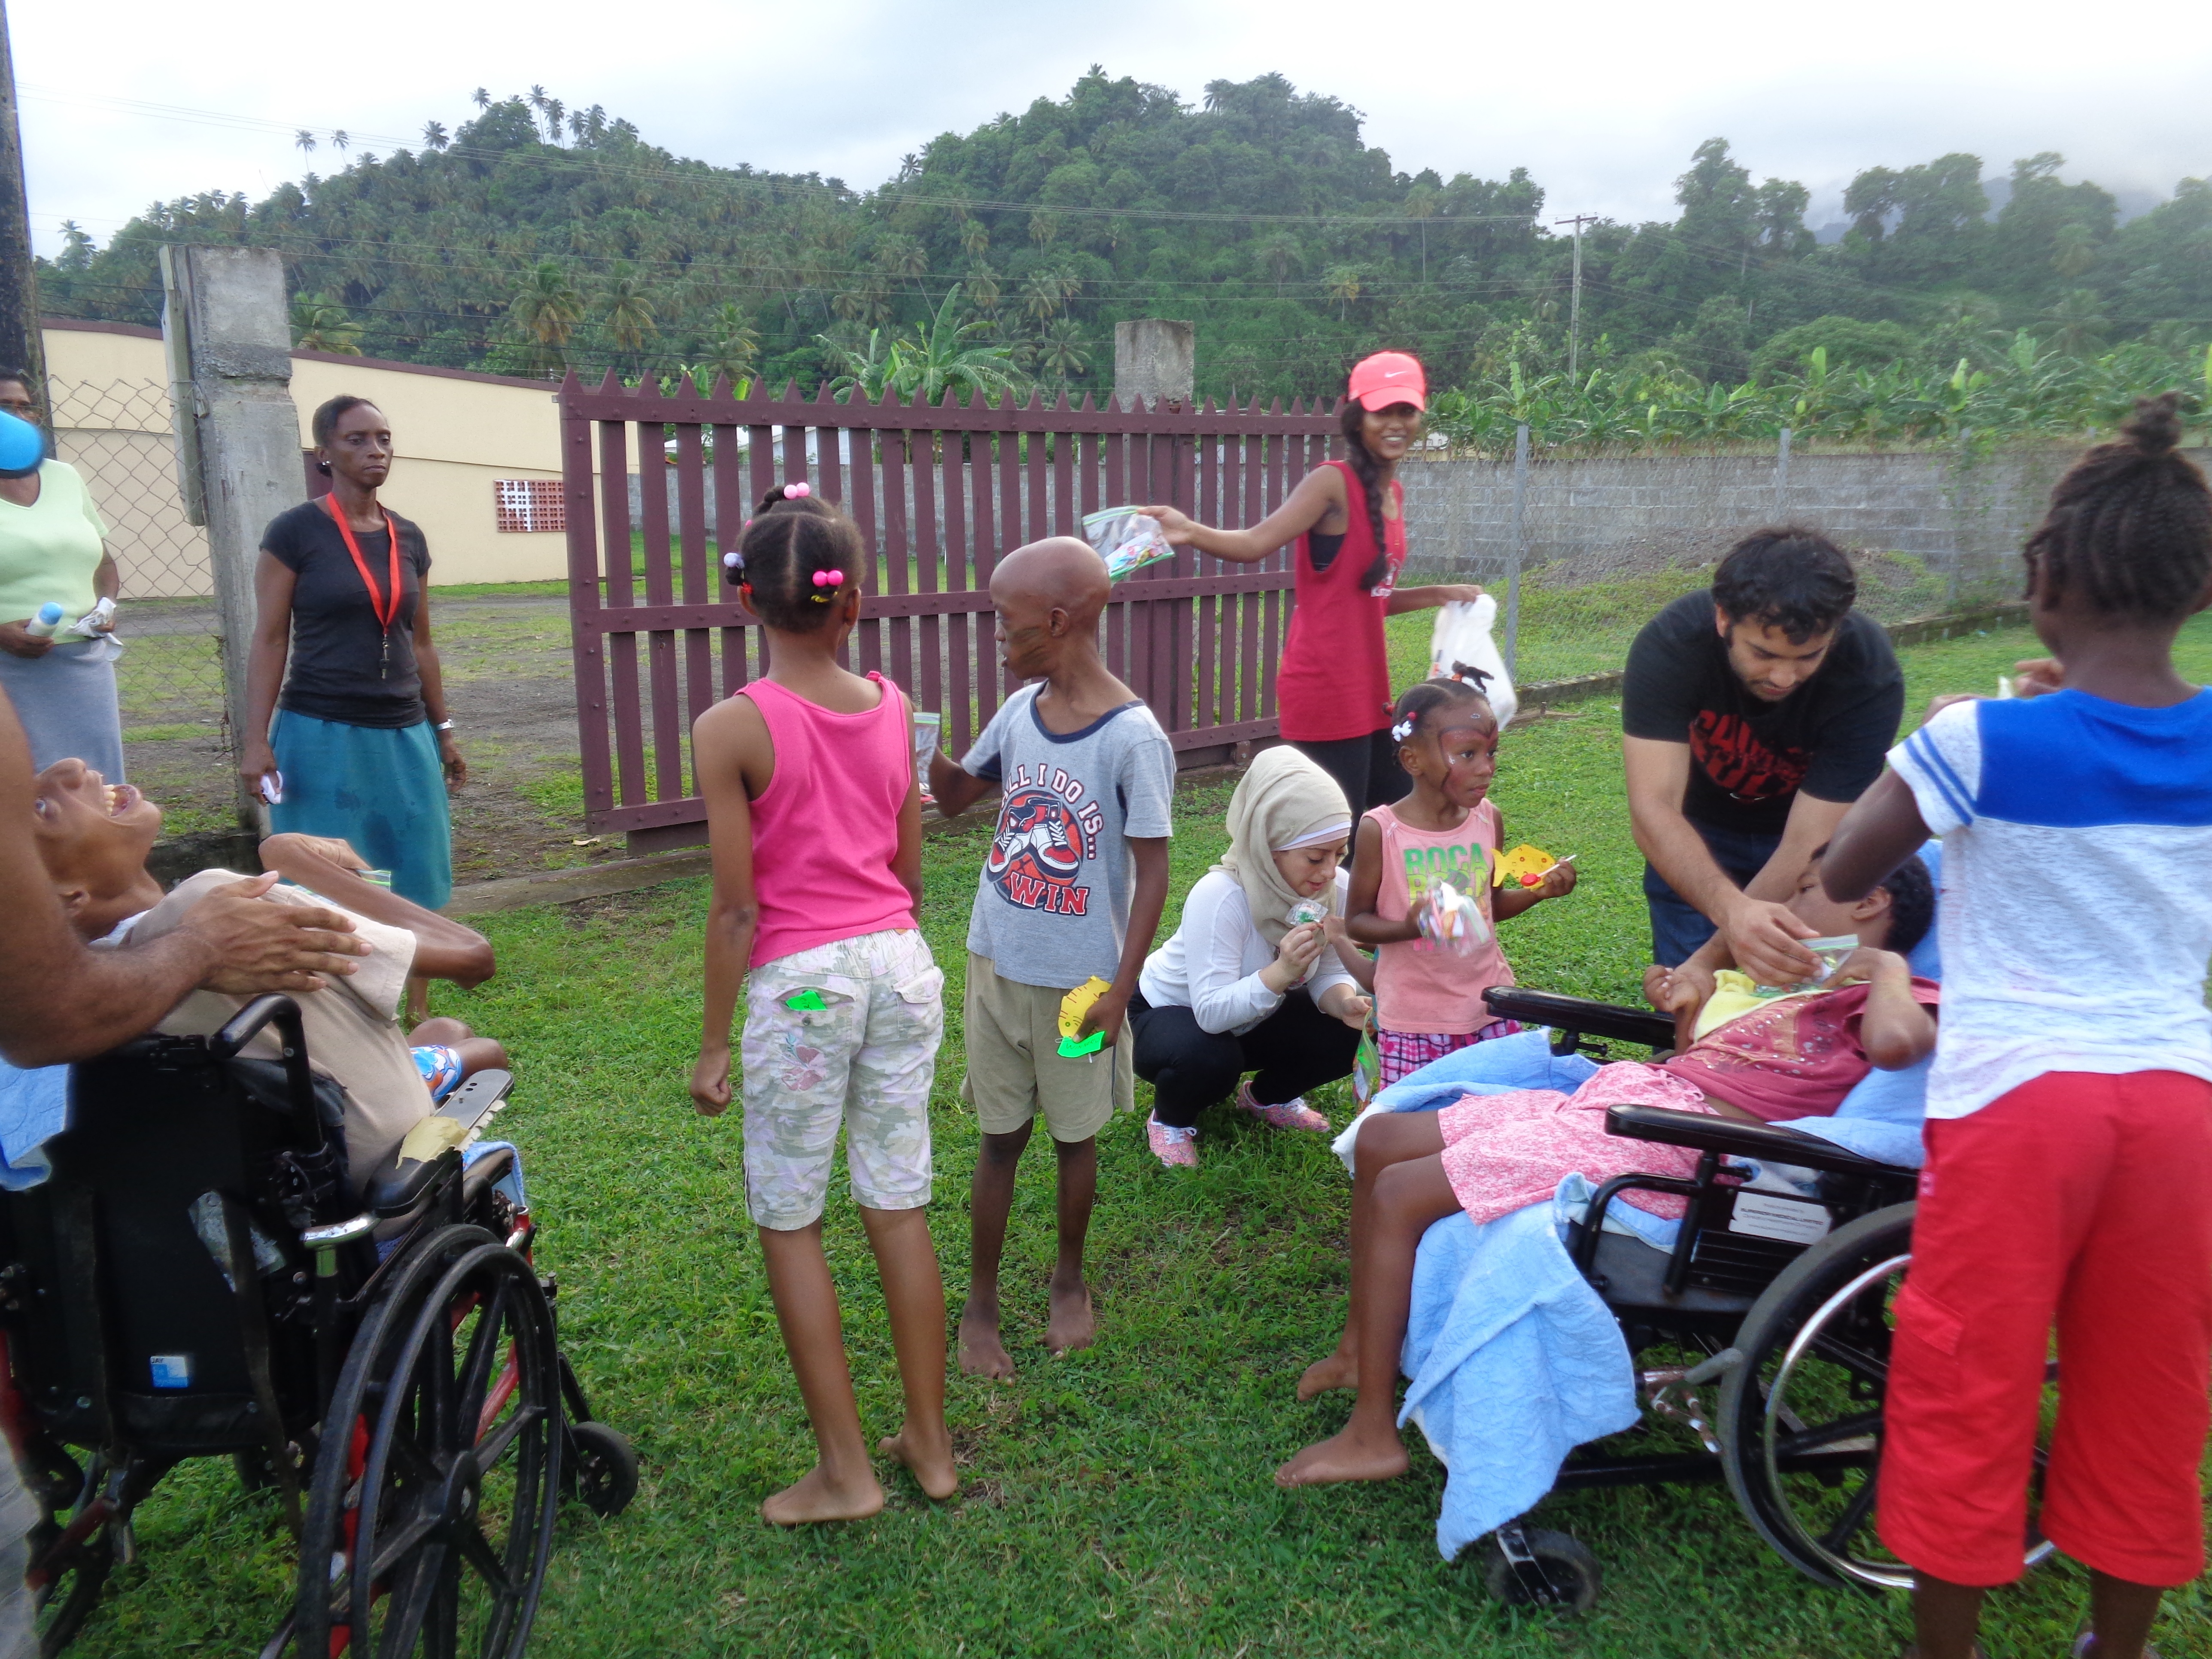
(1334, 690)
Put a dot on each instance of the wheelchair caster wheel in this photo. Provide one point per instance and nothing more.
(605, 1468)
(1549, 1570)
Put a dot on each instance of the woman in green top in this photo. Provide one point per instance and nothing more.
(53, 551)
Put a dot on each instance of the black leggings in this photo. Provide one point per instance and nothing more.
(1294, 1048)
(1365, 768)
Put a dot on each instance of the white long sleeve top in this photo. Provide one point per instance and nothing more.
(1212, 965)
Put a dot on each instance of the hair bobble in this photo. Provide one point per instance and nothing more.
(796, 492)
(828, 581)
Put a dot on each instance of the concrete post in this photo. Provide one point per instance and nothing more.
(1154, 360)
(1519, 554)
(227, 332)
(1782, 479)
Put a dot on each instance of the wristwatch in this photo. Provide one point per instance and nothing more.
(443, 725)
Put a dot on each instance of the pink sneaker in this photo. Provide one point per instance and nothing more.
(1291, 1115)
(1177, 1149)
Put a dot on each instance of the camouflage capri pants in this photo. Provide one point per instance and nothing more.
(846, 1033)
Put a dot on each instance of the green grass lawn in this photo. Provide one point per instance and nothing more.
(1116, 1501)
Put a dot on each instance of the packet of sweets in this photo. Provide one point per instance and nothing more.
(1451, 918)
(928, 727)
(1306, 911)
(1125, 539)
(1832, 951)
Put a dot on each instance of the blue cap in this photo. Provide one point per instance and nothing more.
(50, 611)
(22, 446)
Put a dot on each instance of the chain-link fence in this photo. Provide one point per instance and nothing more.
(1601, 541)
(119, 435)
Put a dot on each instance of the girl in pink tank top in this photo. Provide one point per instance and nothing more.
(1429, 1002)
(814, 813)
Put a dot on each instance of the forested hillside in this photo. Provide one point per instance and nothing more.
(532, 238)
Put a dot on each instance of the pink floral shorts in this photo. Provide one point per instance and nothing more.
(1404, 1052)
(1505, 1152)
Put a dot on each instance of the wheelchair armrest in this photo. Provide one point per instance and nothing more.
(299, 1078)
(1582, 1016)
(1770, 1141)
(399, 1188)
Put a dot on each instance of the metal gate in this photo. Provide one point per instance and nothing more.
(657, 484)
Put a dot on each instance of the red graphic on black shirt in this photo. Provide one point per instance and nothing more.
(1045, 831)
(1732, 755)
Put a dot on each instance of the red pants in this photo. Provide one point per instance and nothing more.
(2086, 1202)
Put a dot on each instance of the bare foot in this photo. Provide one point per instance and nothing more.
(982, 1352)
(1339, 1370)
(812, 1499)
(1073, 1323)
(928, 1456)
(1345, 1457)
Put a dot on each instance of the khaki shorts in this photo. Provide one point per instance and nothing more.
(862, 1060)
(1014, 1065)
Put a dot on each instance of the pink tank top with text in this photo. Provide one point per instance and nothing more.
(1419, 987)
(826, 828)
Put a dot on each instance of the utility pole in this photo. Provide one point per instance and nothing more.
(1575, 298)
(21, 343)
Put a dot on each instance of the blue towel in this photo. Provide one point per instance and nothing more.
(1514, 1359)
(33, 1108)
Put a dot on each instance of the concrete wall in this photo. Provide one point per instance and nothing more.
(1966, 516)
(456, 433)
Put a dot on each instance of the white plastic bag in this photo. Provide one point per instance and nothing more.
(1462, 641)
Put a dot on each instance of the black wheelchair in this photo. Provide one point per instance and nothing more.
(197, 1279)
(1784, 1300)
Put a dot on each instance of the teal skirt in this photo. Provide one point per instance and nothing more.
(380, 788)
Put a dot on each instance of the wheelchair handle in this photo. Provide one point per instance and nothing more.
(300, 1082)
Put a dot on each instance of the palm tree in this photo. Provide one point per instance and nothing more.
(554, 110)
(481, 98)
(546, 308)
(304, 141)
(338, 139)
(319, 323)
(1041, 295)
(736, 347)
(902, 257)
(975, 237)
(2074, 252)
(434, 135)
(1343, 285)
(983, 290)
(538, 100)
(2081, 328)
(1043, 227)
(1063, 352)
(1278, 256)
(629, 306)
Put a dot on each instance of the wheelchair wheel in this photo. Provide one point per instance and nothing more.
(430, 1517)
(1801, 1417)
(605, 1468)
(66, 1578)
(1557, 1571)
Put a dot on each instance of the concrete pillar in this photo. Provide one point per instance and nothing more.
(1155, 359)
(227, 332)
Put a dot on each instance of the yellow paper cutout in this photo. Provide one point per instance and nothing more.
(1524, 866)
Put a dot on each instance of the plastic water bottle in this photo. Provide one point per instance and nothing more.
(42, 626)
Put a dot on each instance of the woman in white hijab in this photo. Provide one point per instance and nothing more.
(1252, 980)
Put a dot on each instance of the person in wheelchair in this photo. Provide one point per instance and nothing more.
(1752, 1053)
(93, 838)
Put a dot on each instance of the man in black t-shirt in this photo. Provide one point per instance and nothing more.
(1752, 716)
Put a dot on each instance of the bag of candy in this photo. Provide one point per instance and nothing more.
(1125, 539)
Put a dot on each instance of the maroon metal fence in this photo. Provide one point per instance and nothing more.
(657, 484)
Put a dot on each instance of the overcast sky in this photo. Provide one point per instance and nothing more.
(1602, 102)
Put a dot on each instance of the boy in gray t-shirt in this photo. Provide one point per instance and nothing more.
(1071, 888)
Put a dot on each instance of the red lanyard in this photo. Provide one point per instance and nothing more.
(385, 605)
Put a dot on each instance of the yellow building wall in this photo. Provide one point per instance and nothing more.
(455, 436)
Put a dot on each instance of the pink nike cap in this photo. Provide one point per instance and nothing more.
(1387, 378)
